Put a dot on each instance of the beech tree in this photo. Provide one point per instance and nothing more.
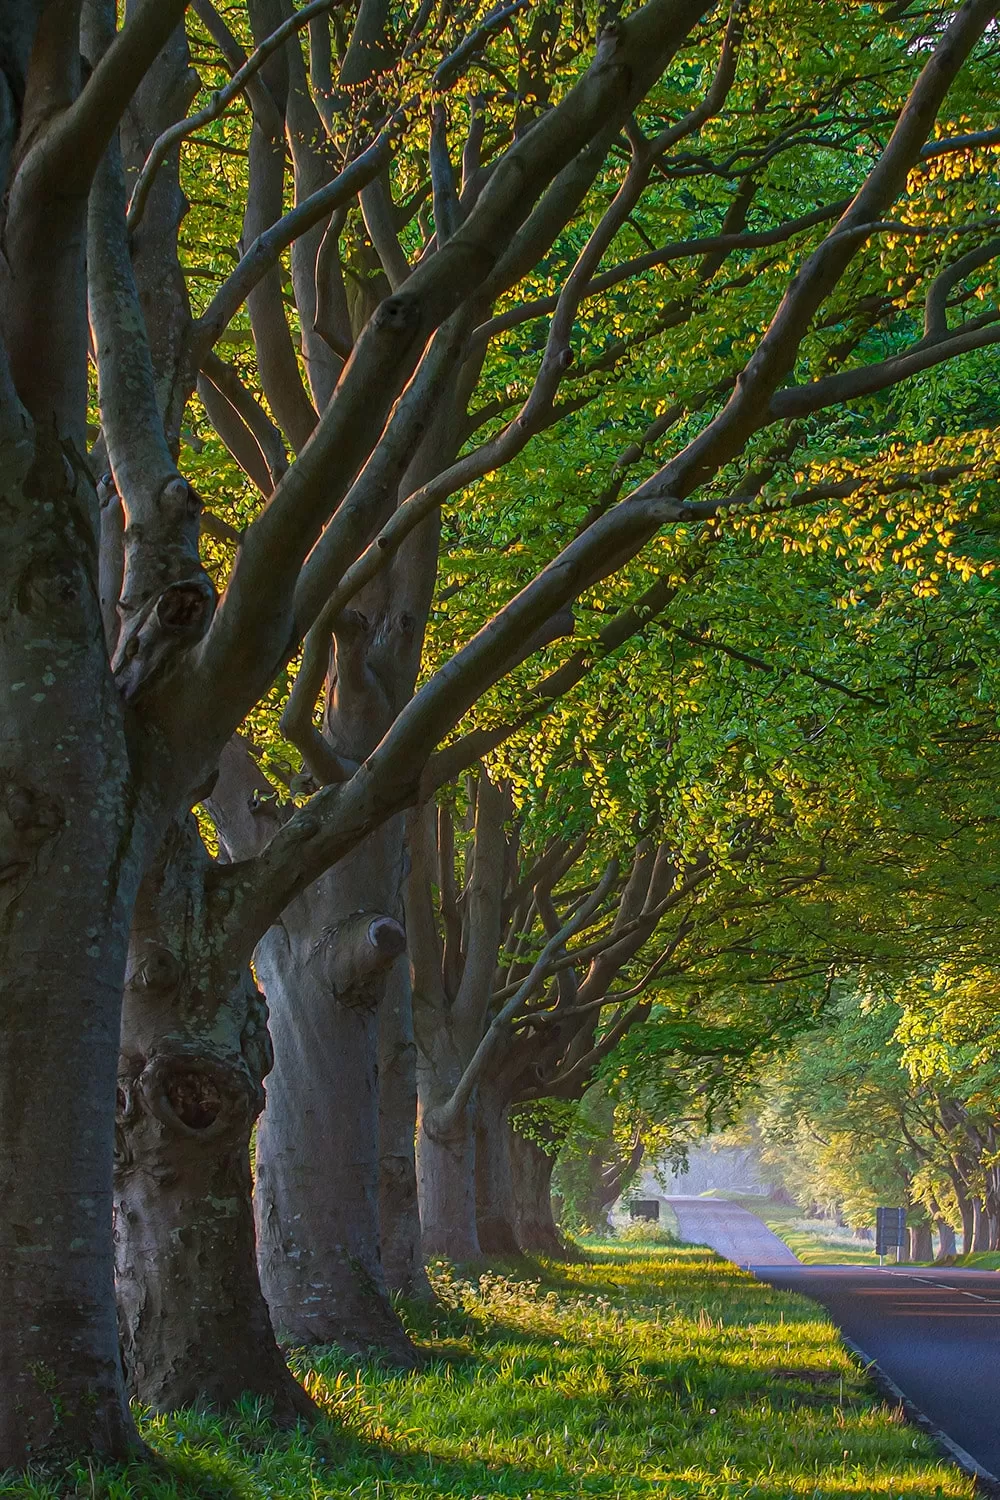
(126, 674)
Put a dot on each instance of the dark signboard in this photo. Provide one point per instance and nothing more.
(890, 1229)
(644, 1208)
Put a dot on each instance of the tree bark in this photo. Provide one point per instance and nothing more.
(70, 828)
(946, 1239)
(195, 1050)
(532, 1177)
(968, 1219)
(446, 1182)
(980, 1227)
(399, 1209)
(316, 1197)
(494, 1185)
(921, 1243)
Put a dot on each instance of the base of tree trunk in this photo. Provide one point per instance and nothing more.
(980, 1228)
(198, 1331)
(535, 1224)
(946, 1239)
(494, 1183)
(446, 1176)
(921, 1243)
(316, 1189)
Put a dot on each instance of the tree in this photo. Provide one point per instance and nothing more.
(118, 724)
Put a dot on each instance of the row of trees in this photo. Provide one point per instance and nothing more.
(650, 303)
(897, 1102)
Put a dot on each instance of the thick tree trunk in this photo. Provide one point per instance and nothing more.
(446, 1181)
(921, 1243)
(534, 1222)
(946, 1239)
(69, 826)
(195, 1049)
(968, 1220)
(494, 1186)
(316, 1196)
(399, 1208)
(980, 1227)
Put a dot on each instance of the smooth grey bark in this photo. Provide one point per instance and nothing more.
(195, 1050)
(921, 1245)
(534, 1222)
(946, 1239)
(316, 1195)
(494, 1183)
(980, 1227)
(446, 1182)
(399, 1209)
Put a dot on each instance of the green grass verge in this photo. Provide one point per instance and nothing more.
(981, 1260)
(636, 1373)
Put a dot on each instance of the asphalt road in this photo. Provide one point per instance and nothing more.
(732, 1231)
(934, 1332)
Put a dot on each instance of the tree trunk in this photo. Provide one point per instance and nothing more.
(532, 1180)
(494, 1186)
(316, 1197)
(921, 1244)
(946, 1239)
(69, 870)
(195, 1049)
(446, 1181)
(980, 1227)
(967, 1212)
(399, 1209)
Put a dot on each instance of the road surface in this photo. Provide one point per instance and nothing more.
(934, 1331)
(732, 1231)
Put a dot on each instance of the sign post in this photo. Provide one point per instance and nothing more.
(890, 1231)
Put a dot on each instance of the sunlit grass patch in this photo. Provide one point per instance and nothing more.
(632, 1374)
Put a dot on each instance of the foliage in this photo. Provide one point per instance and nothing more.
(640, 1369)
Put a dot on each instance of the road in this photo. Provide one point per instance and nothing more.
(732, 1231)
(934, 1332)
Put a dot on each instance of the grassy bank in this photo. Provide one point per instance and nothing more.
(640, 1372)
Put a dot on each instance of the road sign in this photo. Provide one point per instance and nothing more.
(890, 1229)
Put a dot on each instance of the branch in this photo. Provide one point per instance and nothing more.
(678, 250)
(73, 144)
(444, 1119)
(627, 62)
(266, 250)
(581, 1071)
(750, 405)
(446, 205)
(446, 764)
(166, 598)
(451, 69)
(215, 107)
(798, 400)
(936, 304)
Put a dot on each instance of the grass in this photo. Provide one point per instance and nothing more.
(638, 1372)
